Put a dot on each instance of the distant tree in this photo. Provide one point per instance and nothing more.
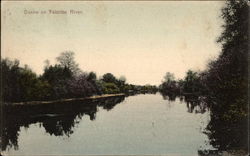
(66, 59)
(47, 64)
(169, 77)
(180, 84)
(91, 76)
(110, 88)
(169, 85)
(192, 82)
(109, 78)
(56, 73)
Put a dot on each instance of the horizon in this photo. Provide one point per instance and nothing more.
(139, 40)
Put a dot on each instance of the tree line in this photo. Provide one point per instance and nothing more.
(191, 84)
(224, 83)
(62, 80)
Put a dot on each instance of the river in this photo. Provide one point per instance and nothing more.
(143, 124)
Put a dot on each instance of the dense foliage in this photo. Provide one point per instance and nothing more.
(59, 81)
(21, 84)
(227, 80)
(191, 84)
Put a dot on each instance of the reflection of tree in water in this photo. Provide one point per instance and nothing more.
(10, 135)
(168, 96)
(57, 119)
(60, 125)
(226, 134)
(110, 103)
(196, 104)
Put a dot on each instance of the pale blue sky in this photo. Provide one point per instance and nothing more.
(140, 40)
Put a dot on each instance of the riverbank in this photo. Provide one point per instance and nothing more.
(96, 97)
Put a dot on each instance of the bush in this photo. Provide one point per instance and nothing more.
(110, 88)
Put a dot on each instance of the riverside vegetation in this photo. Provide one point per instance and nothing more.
(224, 84)
(60, 81)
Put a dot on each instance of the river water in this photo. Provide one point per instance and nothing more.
(147, 124)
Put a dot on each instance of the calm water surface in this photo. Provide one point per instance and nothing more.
(141, 124)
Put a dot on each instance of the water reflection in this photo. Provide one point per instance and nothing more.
(184, 122)
(169, 97)
(58, 119)
(193, 103)
(197, 105)
(134, 93)
(223, 135)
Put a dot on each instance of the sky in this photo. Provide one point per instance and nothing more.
(141, 40)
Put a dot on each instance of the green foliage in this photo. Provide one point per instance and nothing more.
(10, 72)
(57, 81)
(110, 88)
(57, 77)
(28, 84)
(56, 73)
(109, 78)
(137, 89)
(21, 84)
(169, 85)
(227, 82)
(121, 83)
(192, 83)
(148, 89)
(91, 76)
(63, 80)
(226, 78)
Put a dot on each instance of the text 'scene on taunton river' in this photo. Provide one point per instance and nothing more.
(52, 12)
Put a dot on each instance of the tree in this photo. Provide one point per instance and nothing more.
(227, 80)
(56, 73)
(169, 77)
(66, 59)
(109, 78)
(110, 88)
(21, 84)
(227, 76)
(10, 72)
(47, 64)
(58, 77)
(91, 76)
(192, 82)
(169, 85)
(80, 86)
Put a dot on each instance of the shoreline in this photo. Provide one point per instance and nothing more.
(61, 100)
